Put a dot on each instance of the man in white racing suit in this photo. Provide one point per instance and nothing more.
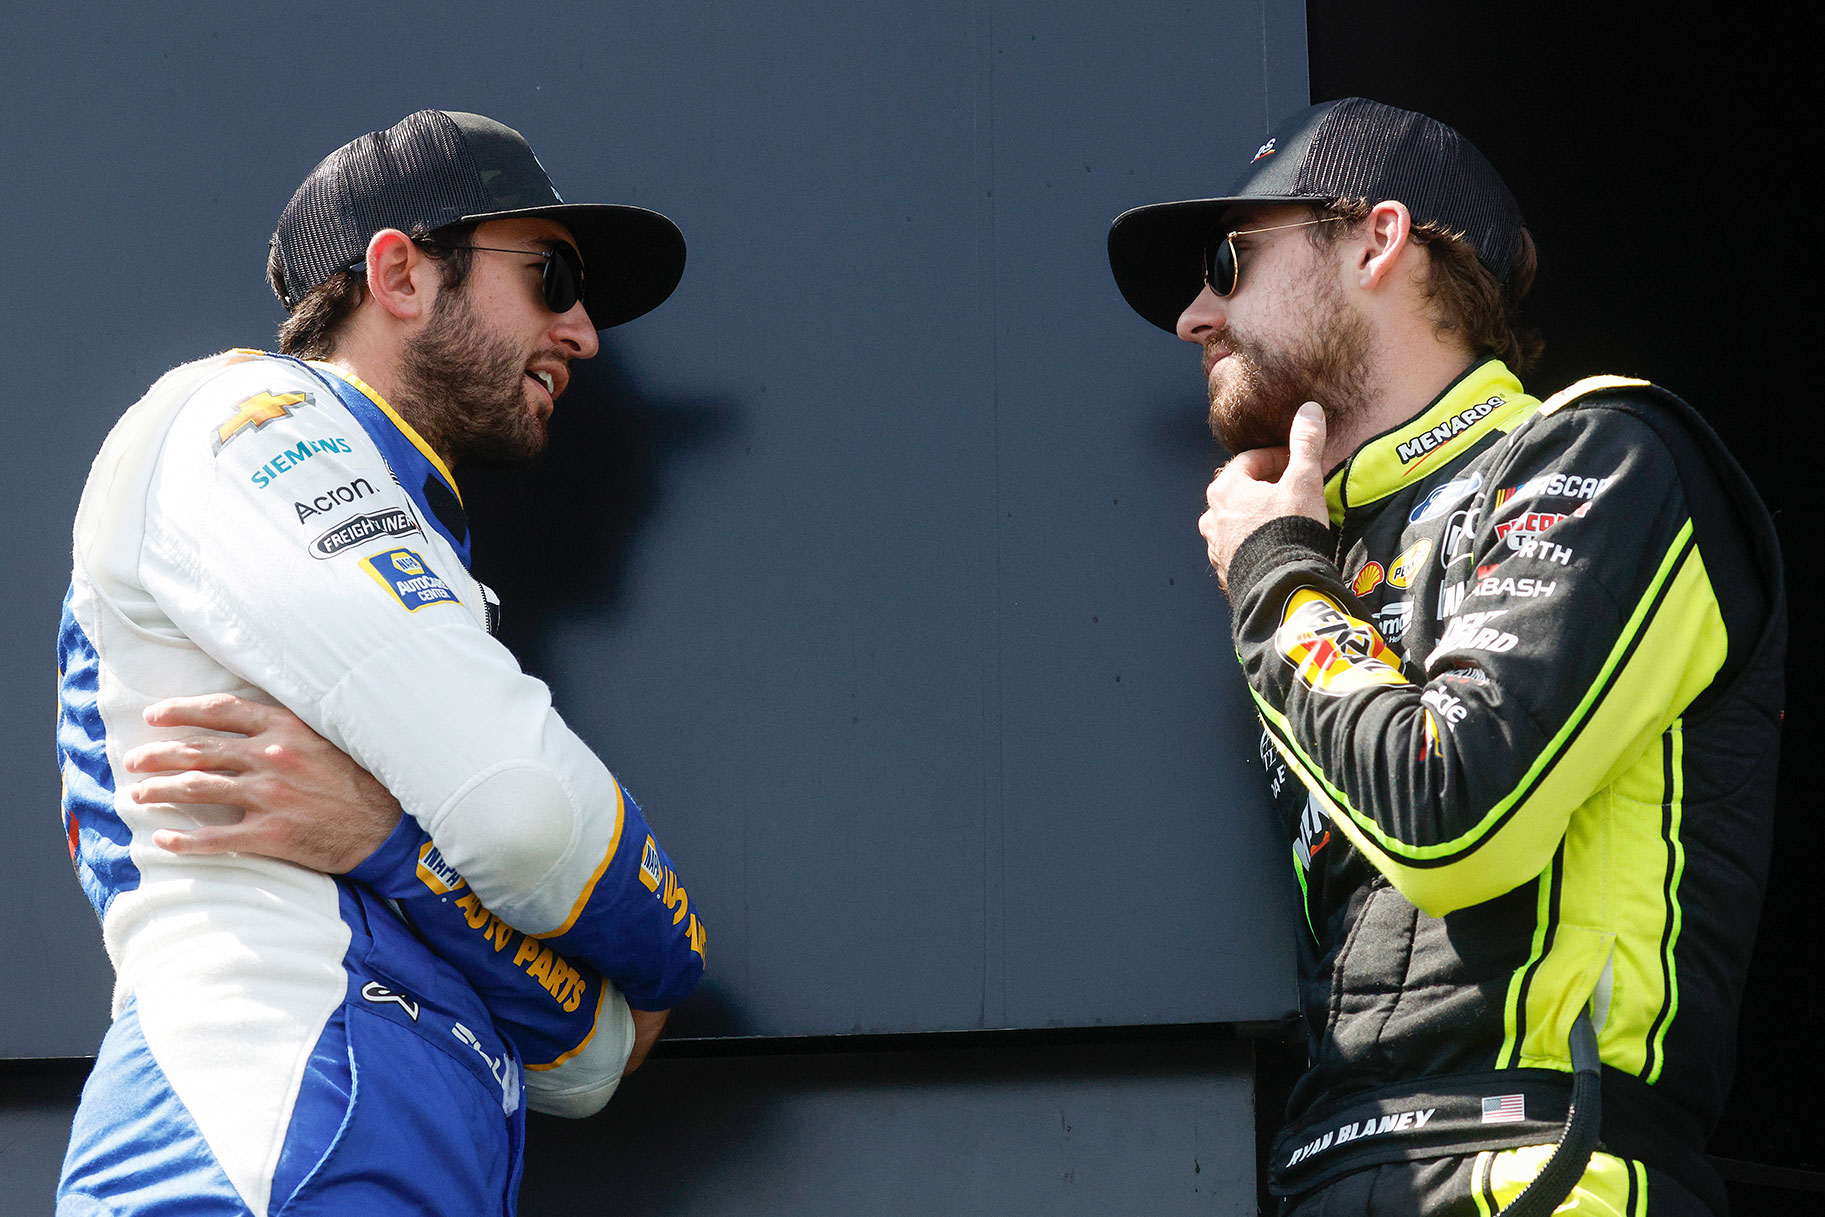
(340, 1028)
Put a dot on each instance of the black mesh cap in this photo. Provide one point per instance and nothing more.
(1349, 149)
(439, 167)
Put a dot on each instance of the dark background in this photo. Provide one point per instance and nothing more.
(1656, 153)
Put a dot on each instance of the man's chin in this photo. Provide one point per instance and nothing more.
(1244, 435)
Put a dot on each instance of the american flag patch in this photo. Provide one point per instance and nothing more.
(1505, 1109)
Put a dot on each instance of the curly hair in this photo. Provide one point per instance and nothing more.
(1467, 300)
(309, 331)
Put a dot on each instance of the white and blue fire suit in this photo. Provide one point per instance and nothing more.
(285, 1041)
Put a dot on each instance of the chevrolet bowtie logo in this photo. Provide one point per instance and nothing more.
(256, 412)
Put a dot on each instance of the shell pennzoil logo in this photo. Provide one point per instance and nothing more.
(1367, 579)
(1411, 559)
(1331, 651)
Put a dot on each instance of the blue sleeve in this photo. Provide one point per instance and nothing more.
(547, 1004)
(633, 924)
(636, 924)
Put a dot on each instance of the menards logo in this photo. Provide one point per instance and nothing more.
(1414, 448)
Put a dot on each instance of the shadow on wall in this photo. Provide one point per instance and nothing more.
(1006, 1129)
(711, 1012)
(557, 537)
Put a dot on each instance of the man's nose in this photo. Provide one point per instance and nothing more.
(577, 332)
(1202, 317)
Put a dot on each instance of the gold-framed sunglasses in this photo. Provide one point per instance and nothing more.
(1221, 269)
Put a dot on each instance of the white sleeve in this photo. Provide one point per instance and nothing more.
(371, 644)
(583, 1085)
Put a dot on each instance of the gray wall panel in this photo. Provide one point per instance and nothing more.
(899, 625)
(1162, 1129)
(36, 1107)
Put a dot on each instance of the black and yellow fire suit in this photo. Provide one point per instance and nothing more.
(1521, 706)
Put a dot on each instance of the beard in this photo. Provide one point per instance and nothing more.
(465, 390)
(1253, 405)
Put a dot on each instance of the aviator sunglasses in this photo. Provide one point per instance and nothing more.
(562, 277)
(1221, 268)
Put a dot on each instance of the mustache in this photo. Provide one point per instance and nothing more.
(1216, 345)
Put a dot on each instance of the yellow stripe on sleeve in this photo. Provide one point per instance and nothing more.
(589, 888)
(1671, 654)
(594, 1023)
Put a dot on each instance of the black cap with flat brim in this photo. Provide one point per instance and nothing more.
(1348, 149)
(436, 168)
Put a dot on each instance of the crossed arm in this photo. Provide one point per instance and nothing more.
(303, 800)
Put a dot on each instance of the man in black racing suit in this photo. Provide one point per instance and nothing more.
(1518, 665)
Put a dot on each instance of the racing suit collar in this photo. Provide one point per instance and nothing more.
(1487, 397)
(405, 428)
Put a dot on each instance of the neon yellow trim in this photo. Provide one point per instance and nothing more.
(405, 428)
(1602, 1191)
(1624, 870)
(1676, 804)
(1562, 986)
(614, 843)
(1383, 842)
(1590, 384)
(1479, 1174)
(1625, 866)
(1305, 896)
(1376, 470)
(1601, 863)
(601, 996)
(1511, 1007)
(1616, 726)
(1333, 493)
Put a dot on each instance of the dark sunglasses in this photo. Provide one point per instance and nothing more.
(1221, 269)
(562, 277)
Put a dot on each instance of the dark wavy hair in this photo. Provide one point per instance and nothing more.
(309, 331)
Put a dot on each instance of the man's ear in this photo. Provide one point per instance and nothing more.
(402, 279)
(1387, 240)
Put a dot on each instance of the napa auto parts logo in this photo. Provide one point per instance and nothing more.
(1331, 651)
